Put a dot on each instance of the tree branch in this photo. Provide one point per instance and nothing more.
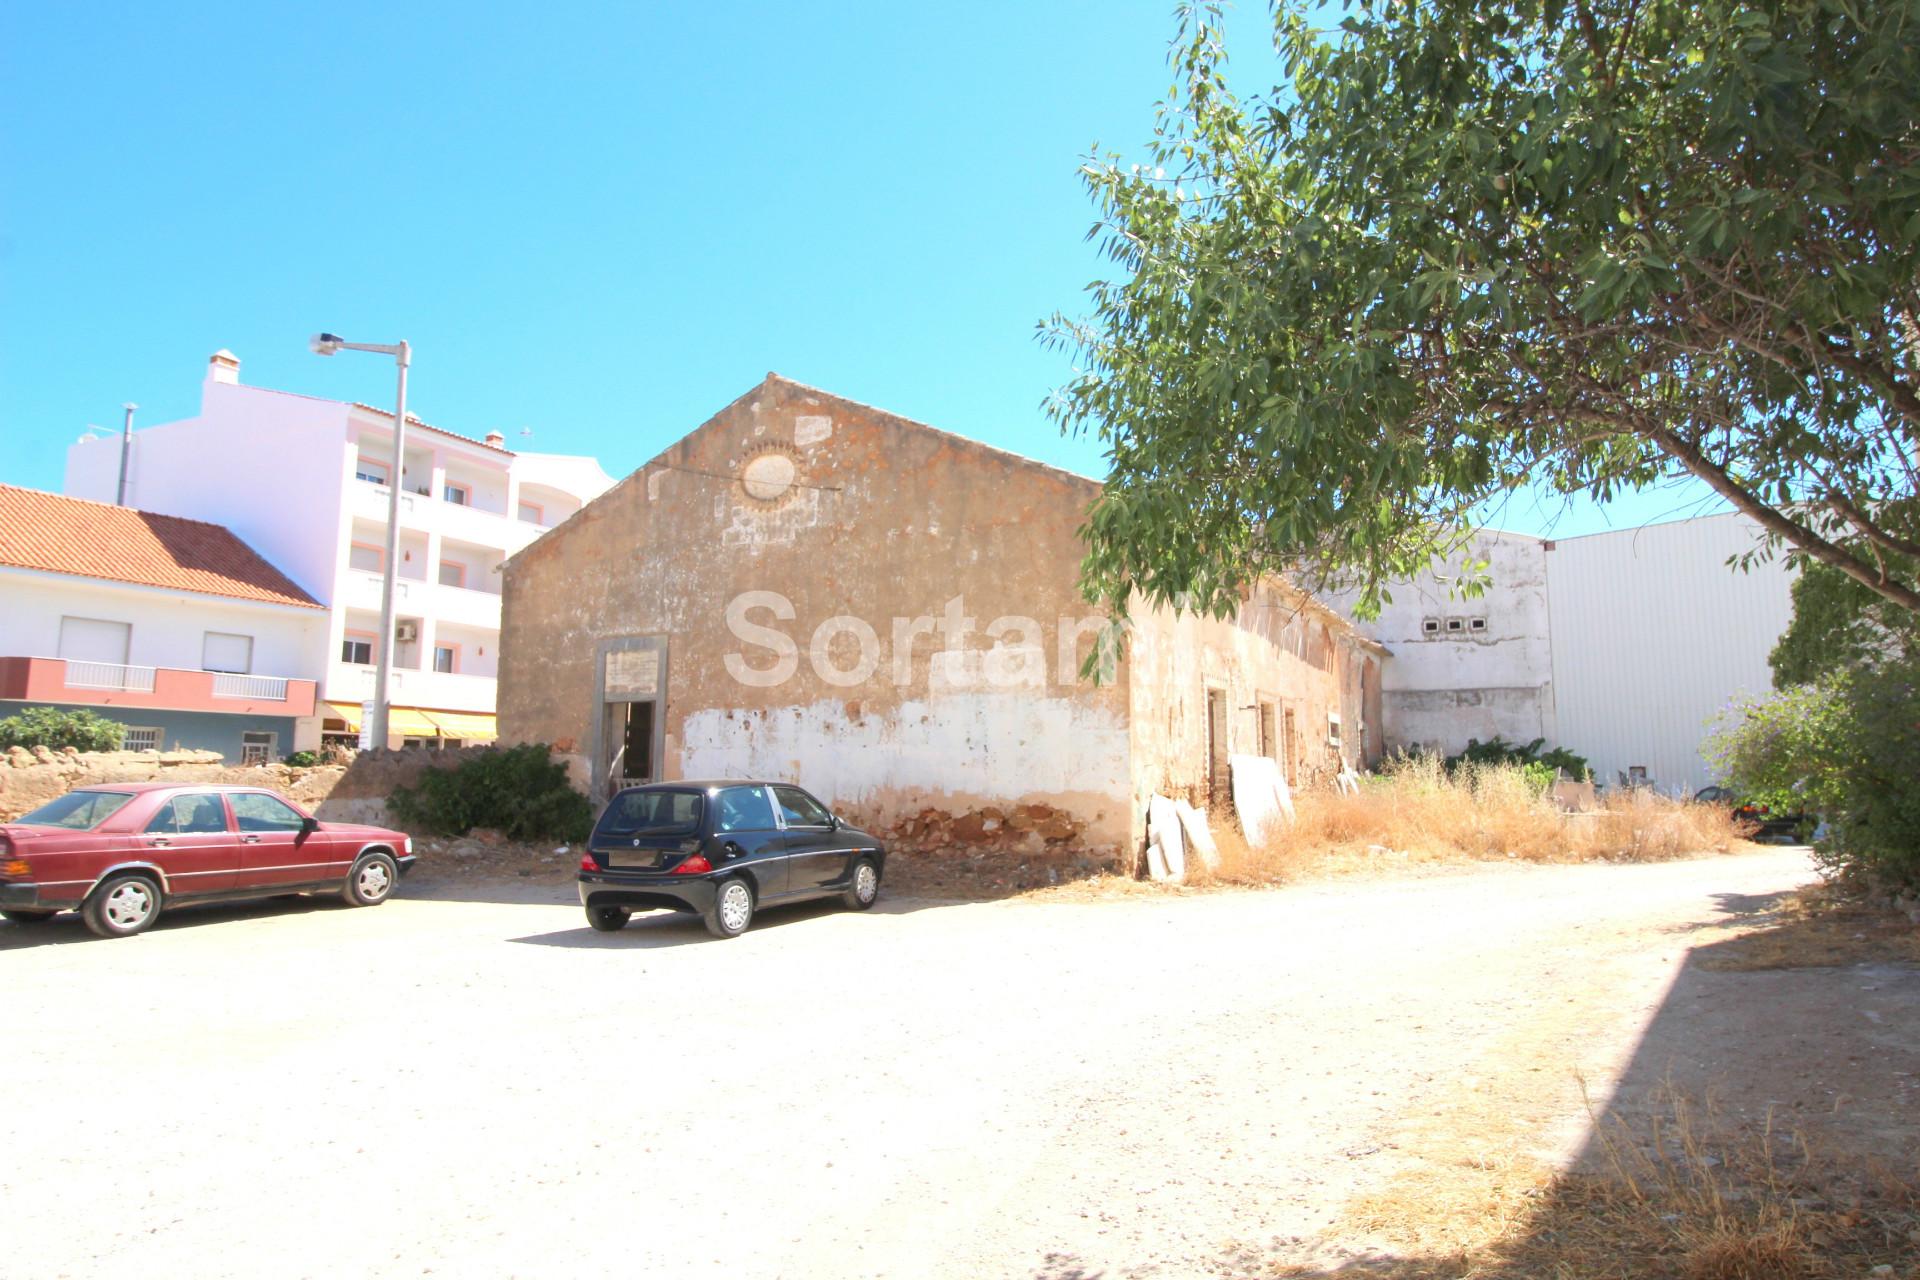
(1799, 535)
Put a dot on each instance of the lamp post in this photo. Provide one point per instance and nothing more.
(325, 344)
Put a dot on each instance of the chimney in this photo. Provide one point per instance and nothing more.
(223, 366)
(497, 439)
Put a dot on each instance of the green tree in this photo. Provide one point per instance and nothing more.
(1470, 246)
(53, 728)
(1840, 624)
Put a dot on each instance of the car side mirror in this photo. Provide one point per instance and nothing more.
(833, 822)
(309, 825)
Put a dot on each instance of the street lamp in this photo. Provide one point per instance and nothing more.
(325, 344)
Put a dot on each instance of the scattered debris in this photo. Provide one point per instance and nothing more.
(1193, 825)
(1261, 797)
(1166, 847)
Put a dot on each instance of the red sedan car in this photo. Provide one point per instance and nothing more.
(119, 853)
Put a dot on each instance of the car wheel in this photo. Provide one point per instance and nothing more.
(123, 906)
(732, 909)
(864, 887)
(371, 881)
(608, 919)
(27, 917)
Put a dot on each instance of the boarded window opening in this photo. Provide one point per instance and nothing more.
(1269, 745)
(1216, 746)
(1290, 750)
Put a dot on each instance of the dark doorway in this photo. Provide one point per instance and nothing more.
(630, 734)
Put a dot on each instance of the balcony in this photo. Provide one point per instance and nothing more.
(414, 598)
(351, 682)
(429, 514)
(112, 684)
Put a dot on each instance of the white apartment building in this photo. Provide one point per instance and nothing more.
(306, 482)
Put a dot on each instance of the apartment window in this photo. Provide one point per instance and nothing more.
(452, 574)
(370, 471)
(223, 651)
(140, 739)
(446, 657)
(366, 557)
(95, 640)
(256, 747)
(458, 494)
(533, 513)
(357, 648)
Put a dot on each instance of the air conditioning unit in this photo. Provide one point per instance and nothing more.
(406, 632)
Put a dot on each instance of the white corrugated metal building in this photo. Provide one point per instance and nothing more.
(1621, 646)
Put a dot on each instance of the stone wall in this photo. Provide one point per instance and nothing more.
(341, 793)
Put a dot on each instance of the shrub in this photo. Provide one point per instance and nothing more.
(303, 759)
(1846, 746)
(1497, 750)
(53, 728)
(516, 790)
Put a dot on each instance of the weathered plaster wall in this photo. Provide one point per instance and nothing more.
(1443, 688)
(942, 693)
(1280, 650)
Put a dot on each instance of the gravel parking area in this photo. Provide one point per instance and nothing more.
(474, 1084)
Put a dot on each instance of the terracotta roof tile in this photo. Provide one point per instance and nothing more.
(57, 534)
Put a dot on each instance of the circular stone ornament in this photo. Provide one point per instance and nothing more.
(769, 477)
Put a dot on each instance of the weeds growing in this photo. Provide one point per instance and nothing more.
(1416, 811)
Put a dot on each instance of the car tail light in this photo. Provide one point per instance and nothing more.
(15, 869)
(588, 862)
(693, 866)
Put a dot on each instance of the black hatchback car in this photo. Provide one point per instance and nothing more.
(722, 851)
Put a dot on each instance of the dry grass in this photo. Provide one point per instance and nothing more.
(1689, 1199)
(1416, 813)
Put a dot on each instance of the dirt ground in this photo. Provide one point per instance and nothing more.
(467, 1081)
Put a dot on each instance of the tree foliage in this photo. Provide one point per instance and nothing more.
(1470, 245)
(1846, 746)
(55, 729)
(1840, 624)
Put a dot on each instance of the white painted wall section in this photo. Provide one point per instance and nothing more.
(998, 745)
(1654, 633)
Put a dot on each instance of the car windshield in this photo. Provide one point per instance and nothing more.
(77, 810)
(650, 813)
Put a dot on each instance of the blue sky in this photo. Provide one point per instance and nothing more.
(600, 223)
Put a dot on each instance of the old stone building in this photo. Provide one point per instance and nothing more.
(809, 588)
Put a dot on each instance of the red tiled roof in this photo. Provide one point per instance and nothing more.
(56, 534)
(413, 422)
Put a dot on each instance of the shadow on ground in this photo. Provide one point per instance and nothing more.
(67, 928)
(1767, 1125)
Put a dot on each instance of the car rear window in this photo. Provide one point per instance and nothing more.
(77, 810)
(650, 813)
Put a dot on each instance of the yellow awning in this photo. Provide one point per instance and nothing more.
(409, 722)
(465, 725)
